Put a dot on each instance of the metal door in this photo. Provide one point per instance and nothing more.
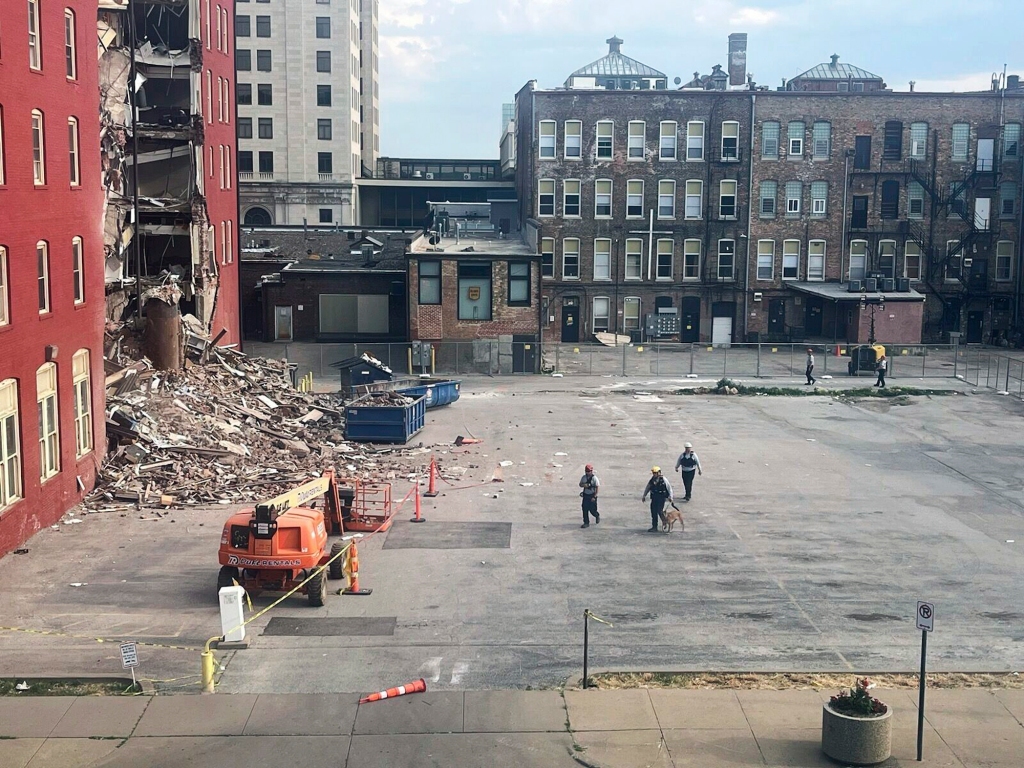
(813, 316)
(776, 317)
(689, 327)
(282, 323)
(859, 219)
(975, 326)
(570, 324)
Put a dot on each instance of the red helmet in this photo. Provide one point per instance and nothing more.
(589, 468)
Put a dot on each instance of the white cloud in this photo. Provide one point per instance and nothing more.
(408, 64)
(754, 17)
(406, 14)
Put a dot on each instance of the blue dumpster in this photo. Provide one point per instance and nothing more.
(367, 423)
(438, 392)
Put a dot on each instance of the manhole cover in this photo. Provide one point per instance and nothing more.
(336, 627)
(450, 536)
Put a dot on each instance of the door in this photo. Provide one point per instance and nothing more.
(776, 318)
(813, 316)
(524, 354)
(570, 323)
(721, 331)
(975, 324)
(862, 153)
(986, 151)
(689, 327)
(982, 213)
(282, 323)
(860, 212)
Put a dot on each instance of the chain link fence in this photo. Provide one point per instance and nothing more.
(993, 370)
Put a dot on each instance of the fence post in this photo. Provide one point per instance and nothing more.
(924, 362)
(759, 360)
(791, 360)
(657, 359)
(725, 360)
(956, 360)
(691, 357)
(624, 359)
(558, 358)
(1007, 387)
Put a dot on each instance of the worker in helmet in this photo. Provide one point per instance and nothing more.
(590, 485)
(660, 491)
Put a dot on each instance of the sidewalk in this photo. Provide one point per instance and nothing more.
(493, 729)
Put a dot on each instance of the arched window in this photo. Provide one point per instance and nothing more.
(257, 217)
(81, 380)
(49, 429)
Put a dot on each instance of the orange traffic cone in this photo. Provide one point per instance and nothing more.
(416, 687)
(432, 487)
(418, 517)
(352, 572)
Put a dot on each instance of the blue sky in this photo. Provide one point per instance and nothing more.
(446, 66)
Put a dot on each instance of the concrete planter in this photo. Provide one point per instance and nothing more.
(856, 740)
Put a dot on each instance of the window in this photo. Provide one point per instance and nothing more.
(794, 195)
(605, 130)
(769, 191)
(1011, 140)
(634, 199)
(324, 163)
(631, 313)
(73, 165)
(264, 94)
(571, 258)
(243, 94)
(430, 282)
(634, 259)
(43, 275)
(519, 283)
(573, 139)
(602, 259)
(323, 27)
(666, 199)
(912, 260)
(795, 136)
(323, 129)
(667, 143)
(266, 127)
(890, 199)
(5, 304)
(665, 257)
(1007, 199)
(263, 61)
(821, 140)
(323, 61)
(266, 162)
(323, 95)
(892, 140)
(547, 257)
(858, 259)
(918, 140)
(3, 179)
(243, 59)
(70, 62)
(10, 444)
(694, 199)
(790, 259)
(1004, 260)
(571, 198)
(726, 260)
(46, 405)
(326, 215)
(637, 136)
(770, 140)
(954, 256)
(727, 199)
(262, 26)
(691, 259)
(546, 197)
(602, 312)
(603, 198)
(730, 141)
(816, 260)
(78, 270)
(243, 26)
(887, 258)
(83, 402)
(961, 138)
(765, 259)
(35, 51)
(915, 200)
(819, 198)
(862, 153)
(547, 139)
(695, 140)
(38, 149)
(245, 127)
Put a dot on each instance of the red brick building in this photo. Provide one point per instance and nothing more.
(51, 264)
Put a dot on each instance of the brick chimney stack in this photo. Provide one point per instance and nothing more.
(738, 58)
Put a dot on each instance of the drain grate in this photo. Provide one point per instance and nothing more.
(357, 626)
(450, 536)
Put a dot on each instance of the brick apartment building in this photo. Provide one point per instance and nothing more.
(747, 213)
(51, 264)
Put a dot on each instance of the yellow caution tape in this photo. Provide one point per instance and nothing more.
(598, 618)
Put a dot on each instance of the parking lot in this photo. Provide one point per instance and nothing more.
(816, 526)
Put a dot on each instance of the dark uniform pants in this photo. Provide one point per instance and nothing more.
(881, 378)
(590, 508)
(688, 481)
(657, 510)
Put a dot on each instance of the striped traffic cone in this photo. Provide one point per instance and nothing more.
(352, 573)
(417, 687)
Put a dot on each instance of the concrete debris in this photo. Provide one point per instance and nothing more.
(385, 399)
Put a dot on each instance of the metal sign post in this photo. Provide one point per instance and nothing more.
(926, 623)
(130, 659)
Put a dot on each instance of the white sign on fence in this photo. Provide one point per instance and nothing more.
(129, 655)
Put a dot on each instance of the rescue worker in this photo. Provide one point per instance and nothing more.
(660, 491)
(810, 367)
(883, 364)
(590, 485)
(688, 464)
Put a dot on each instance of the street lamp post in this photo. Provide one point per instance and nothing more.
(873, 305)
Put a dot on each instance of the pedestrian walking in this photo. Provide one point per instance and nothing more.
(689, 465)
(590, 485)
(883, 365)
(810, 367)
(660, 491)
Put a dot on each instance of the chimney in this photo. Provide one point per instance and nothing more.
(912, 84)
(614, 44)
(835, 60)
(737, 58)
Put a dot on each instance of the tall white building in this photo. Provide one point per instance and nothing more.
(308, 116)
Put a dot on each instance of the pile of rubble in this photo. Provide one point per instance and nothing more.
(226, 429)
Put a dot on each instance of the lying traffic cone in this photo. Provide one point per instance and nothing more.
(417, 687)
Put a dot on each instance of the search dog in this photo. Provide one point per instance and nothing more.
(670, 519)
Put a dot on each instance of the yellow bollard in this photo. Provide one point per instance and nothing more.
(209, 667)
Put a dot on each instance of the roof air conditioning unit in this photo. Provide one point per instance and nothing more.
(467, 177)
(430, 176)
(888, 285)
(871, 285)
(855, 286)
(903, 284)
